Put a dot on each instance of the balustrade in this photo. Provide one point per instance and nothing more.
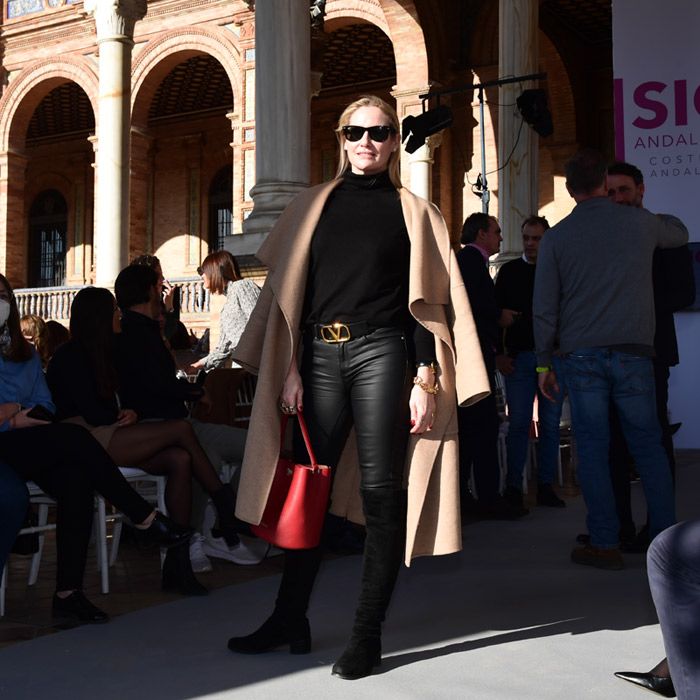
(55, 302)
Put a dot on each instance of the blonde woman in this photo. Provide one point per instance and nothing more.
(357, 325)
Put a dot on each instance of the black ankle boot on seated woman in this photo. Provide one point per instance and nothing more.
(177, 572)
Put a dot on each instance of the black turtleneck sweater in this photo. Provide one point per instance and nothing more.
(359, 263)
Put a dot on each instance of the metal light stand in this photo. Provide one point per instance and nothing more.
(485, 194)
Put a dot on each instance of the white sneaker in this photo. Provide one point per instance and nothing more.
(200, 561)
(248, 552)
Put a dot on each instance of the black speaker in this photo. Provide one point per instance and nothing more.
(533, 106)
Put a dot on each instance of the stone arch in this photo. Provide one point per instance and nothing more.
(339, 14)
(25, 92)
(161, 55)
(410, 51)
(398, 19)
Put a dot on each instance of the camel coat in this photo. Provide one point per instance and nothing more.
(437, 299)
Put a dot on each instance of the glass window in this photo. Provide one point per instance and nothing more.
(48, 225)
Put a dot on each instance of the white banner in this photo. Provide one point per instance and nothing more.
(656, 54)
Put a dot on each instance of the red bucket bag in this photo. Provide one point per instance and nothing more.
(298, 500)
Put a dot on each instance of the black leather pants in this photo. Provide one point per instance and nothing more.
(365, 382)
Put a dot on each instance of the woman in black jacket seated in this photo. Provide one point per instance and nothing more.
(66, 462)
(14, 499)
(83, 382)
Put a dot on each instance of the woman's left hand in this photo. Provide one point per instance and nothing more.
(8, 410)
(422, 405)
(126, 416)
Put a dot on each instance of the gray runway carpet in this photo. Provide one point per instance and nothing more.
(509, 617)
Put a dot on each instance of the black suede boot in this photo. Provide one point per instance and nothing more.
(224, 501)
(288, 623)
(385, 513)
(177, 572)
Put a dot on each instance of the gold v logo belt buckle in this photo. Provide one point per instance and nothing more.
(335, 333)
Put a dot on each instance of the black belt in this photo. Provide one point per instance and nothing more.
(338, 332)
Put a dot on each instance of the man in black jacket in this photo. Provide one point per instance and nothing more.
(517, 363)
(479, 423)
(147, 370)
(674, 289)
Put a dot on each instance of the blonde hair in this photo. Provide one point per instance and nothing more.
(369, 101)
(34, 329)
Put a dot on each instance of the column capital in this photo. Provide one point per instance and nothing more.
(115, 19)
(408, 94)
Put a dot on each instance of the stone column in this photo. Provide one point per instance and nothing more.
(140, 214)
(114, 21)
(407, 102)
(517, 182)
(282, 92)
(421, 164)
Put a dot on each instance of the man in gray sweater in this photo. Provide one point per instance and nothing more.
(594, 299)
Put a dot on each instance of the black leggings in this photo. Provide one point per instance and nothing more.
(66, 462)
(365, 382)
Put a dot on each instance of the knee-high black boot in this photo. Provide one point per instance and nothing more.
(385, 513)
(288, 623)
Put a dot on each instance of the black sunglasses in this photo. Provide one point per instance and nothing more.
(379, 134)
(200, 271)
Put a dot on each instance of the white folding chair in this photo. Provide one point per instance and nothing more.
(37, 497)
(244, 404)
(149, 486)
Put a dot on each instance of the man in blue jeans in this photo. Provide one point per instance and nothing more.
(593, 291)
(516, 361)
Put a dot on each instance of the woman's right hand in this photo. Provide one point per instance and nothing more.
(22, 420)
(293, 391)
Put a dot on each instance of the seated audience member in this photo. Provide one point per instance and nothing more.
(83, 380)
(57, 335)
(222, 275)
(14, 500)
(517, 362)
(66, 462)
(35, 332)
(148, 384)
(673, 568)
(169, 295)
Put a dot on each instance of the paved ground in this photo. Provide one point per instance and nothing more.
(509, 617)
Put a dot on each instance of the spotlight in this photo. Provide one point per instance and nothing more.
(416, 129)
(533, 106)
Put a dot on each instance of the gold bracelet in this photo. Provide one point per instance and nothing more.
(434, 390)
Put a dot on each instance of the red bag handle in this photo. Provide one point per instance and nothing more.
(305, 435)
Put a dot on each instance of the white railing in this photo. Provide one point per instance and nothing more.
(54, 302)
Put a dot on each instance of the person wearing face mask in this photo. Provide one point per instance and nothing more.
(66, 462)
(364, 321)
